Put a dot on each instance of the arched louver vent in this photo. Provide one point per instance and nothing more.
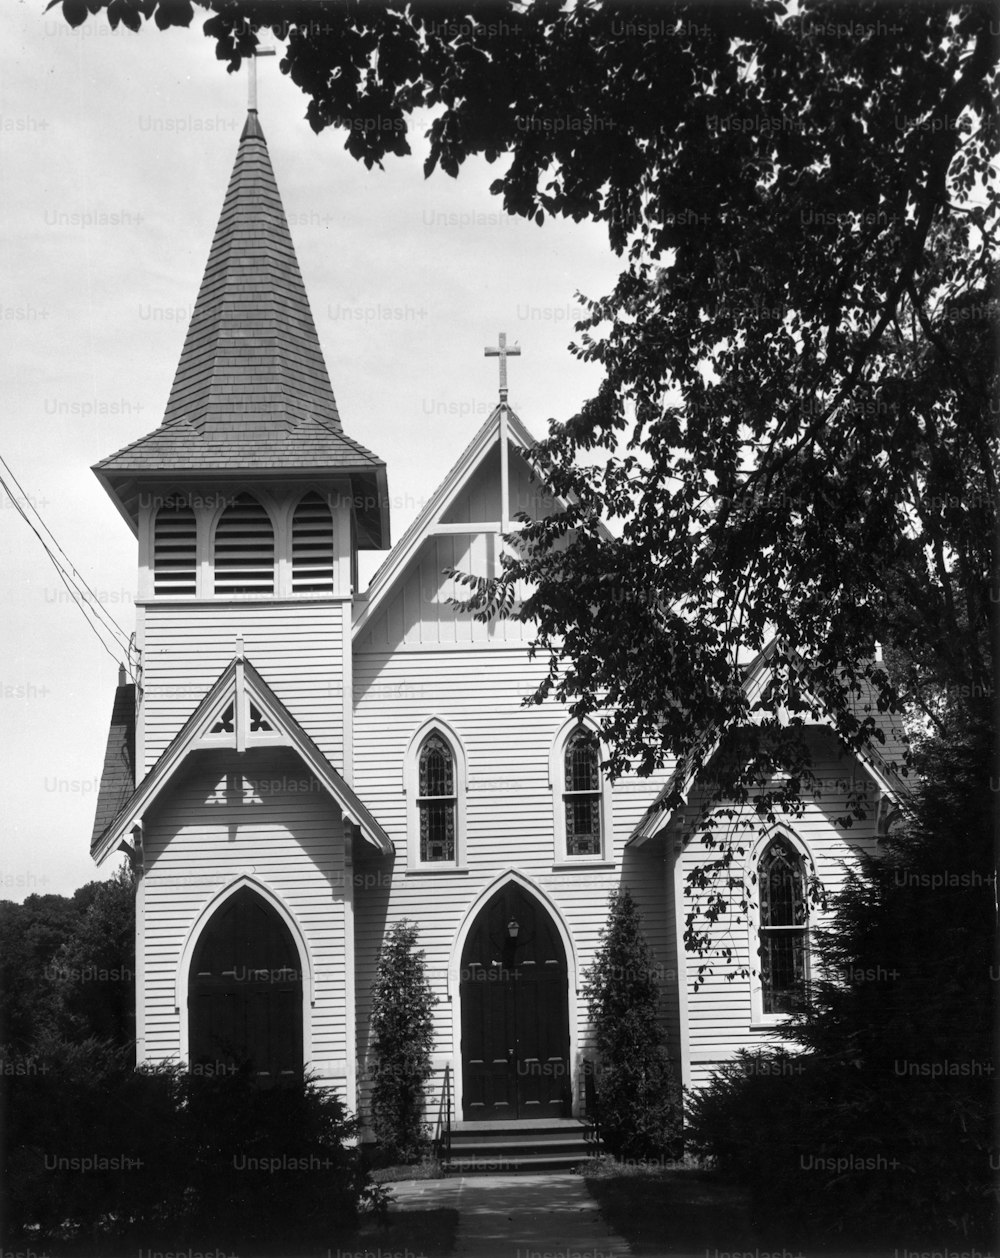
(244, 549)
(312, 547)
(175, 550)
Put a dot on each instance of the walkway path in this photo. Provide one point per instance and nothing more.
(517, 1216)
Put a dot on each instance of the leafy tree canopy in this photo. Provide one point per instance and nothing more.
(794, 434)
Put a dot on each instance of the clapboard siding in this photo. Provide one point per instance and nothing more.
(215, 826)
(720, 1013)
(297, 647)
(509, 825)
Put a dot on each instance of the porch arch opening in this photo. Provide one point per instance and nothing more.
(245, 993)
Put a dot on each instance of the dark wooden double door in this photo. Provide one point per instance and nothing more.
(245, 994)
(515, 1012)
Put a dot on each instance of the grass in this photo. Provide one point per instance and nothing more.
(675, 1207)
(429, 1168)
(685, 1207)
(430, 1233)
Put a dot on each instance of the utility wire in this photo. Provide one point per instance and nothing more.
(97, 627)
(78, 580)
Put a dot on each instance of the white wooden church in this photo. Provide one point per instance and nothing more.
(303, 763)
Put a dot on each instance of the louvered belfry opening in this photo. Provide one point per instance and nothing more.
(244, 549)
(175, 549)
(312, 547)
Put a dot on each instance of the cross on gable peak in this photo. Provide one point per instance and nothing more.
(502, 351)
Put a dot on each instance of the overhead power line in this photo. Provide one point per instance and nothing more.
(100, 620)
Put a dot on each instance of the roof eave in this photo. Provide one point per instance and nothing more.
(111, 488)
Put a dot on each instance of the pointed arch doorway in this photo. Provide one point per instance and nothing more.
(515, 1012)
(245, 993)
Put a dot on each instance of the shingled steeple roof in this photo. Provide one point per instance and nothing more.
(251, 392)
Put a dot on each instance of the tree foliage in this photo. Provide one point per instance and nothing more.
(638, 1101)
(794, 438)
(881, 1125)
(402, 1035)
(67, 966)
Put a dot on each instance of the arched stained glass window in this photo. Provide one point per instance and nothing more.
(436, 799)
(783, 928)
(582, 794)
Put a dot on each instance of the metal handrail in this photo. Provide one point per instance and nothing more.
(447, 1113)
(590, 1103)
(442, 1131)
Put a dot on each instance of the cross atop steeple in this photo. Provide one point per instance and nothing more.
(252, 76)
(501, 351)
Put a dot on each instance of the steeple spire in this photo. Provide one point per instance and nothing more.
(251, 392)
(251, 356)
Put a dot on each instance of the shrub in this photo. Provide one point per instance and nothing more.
(269, 1164)
(401, 1038)
(88, 1139)
(637, 1098)
(97, 1149)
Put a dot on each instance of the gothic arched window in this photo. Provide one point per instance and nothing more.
(784, 928)
(437, 799)
(312, 547)
(582, 793)
(244, 549)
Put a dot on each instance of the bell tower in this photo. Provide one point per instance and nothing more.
(249, 501)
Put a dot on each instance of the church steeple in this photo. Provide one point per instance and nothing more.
(251, 392)
(251, 358)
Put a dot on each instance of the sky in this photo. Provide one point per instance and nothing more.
(115, 153)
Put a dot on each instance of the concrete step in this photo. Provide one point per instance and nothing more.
(498, 1148)
(511, 1165)
(510, 1140)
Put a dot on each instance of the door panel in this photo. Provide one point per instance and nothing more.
(515, 1013)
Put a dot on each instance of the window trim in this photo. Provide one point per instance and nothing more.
(411, 790)
(557, 785)
(778, 833)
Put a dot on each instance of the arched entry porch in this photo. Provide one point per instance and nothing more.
(245, 992)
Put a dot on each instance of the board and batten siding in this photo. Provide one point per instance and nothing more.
(261, 815)
(509, 827)
(418, 612)
(719, 1017)
(298, 647)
